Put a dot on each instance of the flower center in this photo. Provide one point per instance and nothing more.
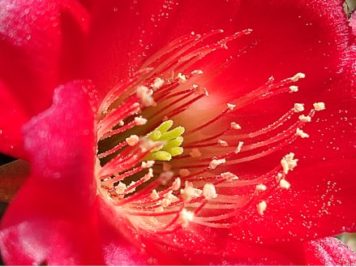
(159, 184)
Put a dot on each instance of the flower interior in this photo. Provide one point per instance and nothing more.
(163, 165)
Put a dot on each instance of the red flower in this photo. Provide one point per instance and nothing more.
(257, 180)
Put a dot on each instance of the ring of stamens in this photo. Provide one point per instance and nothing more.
(160, 184)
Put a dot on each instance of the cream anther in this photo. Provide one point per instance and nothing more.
(140, 121)
(157, 83)
(145, 95)
(121, 123)
(284, 184)
(318, 106)
(298, 107)
(288, 162)
(154, 195)
(195, 153)
(304, 118)
(209, 191)
(239, 147)
(120, 188)
(176, 184)
(229, 176)
(147, 164)
(181, 77)
(190, 192)
(132, 140)
(222, 142)
(301, 133)
(215, 163)
(231, 106)
(149, 174)
(293, 89)
(261, 207)
(185, 217)
(297, 77)
(261, 187)
(184, 172)
(168, 199)
(235, 126)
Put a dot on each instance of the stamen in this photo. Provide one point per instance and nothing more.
(186, 217)
(301, 133)
(235, 126)
(261, 187)
(304, 118)
(298, 107)
(209, 191)
(284, 184)
(215, 163)
(261, 207)
(318, 106)
(288, 163)
(132, 140)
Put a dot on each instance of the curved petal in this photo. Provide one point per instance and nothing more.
(328, 251)
(51, 217)
(40, 44)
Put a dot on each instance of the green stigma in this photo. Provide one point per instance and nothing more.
(171, 138)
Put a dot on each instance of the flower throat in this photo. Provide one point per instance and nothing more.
(160, 172)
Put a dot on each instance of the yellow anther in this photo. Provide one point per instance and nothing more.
(171, 139)
(173, 134)
(161, 155)
(176, 151)
(165, 126)
(174, 143)
(155, 135)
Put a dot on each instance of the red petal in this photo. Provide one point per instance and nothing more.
(11, 120)
(37, 39)
(51, 220)
(329, 251)
(119, 240)
(320, 201)
(308, 36)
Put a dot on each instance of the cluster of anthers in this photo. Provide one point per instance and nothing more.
(161, 184)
